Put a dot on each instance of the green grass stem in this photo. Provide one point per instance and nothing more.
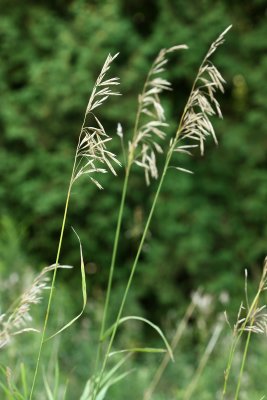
(242, 366)
(51, 291)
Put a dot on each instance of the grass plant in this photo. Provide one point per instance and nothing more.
(194, 126)
(254, 321)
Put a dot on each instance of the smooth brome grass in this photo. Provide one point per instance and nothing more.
(194, 126)
(91, 158)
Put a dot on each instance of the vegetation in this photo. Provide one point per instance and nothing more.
(212, 227)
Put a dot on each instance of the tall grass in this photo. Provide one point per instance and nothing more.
(92, 158)
(194, 126)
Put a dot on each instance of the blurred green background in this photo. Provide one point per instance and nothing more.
(207, 228)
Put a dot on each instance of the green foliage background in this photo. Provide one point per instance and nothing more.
(207, 227)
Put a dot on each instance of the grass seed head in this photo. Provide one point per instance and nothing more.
(195, 124)
(92, 155)
(145, 144)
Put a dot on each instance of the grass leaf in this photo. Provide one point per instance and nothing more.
(84, 293)
(155, 327)
(138, 350)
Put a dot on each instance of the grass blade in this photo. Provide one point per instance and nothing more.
(84, 293)
(138, 350)
(155, 327)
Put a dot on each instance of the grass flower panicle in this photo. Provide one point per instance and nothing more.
(145, 142)
(92, 153)
(195, 124)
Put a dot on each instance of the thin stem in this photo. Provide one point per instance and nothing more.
(56, 263)
(115, 248)
(112, 266)
(229, 364)
(178, 334)
(51, 290)
(242, 366)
